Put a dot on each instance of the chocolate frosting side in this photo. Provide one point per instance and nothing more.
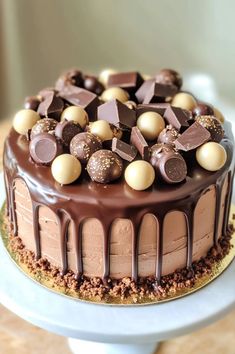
(86, 199)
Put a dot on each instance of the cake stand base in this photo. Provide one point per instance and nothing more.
(78, 346)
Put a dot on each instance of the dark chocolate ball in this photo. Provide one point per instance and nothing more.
(92, 84)
(32, 102)
(45, 125)
(213, 125)
(66, 130)
(169, 165)
(44, 148)
(169, 77)
(104, 166)
(70, 77)
(168, 135)
(203, 109)
(83, 145)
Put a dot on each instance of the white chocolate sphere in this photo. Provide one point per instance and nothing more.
(66, 169)
(102, 129)
(115, 93)
(24, 120)
(139, 175)
(150, 124)
(211, 156)
(218, 115)
(77, 114)
(184, 100)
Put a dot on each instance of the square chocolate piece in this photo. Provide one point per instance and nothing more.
(129, 81)
(193, 137)
(159, 92)
(152, 107)
(142, 91)
(177, 117)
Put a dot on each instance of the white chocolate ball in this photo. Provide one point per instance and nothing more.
(102, 129)
(139, 175)
(104, 76)
(184, 100)
(77, 114)
(115, 93)
(218, 115)
(24, 120)
(211, 156)
(150, 124)
(66, 169)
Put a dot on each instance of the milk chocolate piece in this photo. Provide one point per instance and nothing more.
(80, 97)
(159, 92)
(129, 81)
(44, 125)
(169, 77)
(152, 107)
(193, 137)
(32, 102)
(44, 148)
(124, 150)
(140, 143)
(66, 130)
(52, 106)
(117, 114)
(176, 117)
(142, 91)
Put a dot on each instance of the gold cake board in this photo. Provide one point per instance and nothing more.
(217, 269)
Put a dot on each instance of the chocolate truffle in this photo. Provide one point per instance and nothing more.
(91, 83)
(70, 77)
(44, 148)
(168, 135)
(32, 102)
(203, 109)
(104, 166)
(66, 130)
(213, 126)
(169, 77)
(45, 125)
(83, 145)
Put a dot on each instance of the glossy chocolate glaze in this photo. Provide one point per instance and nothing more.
(86, 199)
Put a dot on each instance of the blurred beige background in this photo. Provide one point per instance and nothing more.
(38, 39)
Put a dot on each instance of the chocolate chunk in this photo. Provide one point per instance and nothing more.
(70, 77)
(104, 166)
(32, 102)
(168, 164)
(129, 81)
(140, 143)
(83, 145)
(52, 106)
(80, 97)
(142, 91)
(44, 148)
(91, 83)
(66, 130)
(124, 150)
(45, 125)
(159, 93)
(203, 109)
(117, 114)
(152, 107)
(46, 91)
(168, 135)
(213, 126)
(169, 77)
(176, 117)
(193, 137)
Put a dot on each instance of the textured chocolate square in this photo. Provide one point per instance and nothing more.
(129, 81)
(159, 92)
(117, 114)
(177, 117)
(192, 138)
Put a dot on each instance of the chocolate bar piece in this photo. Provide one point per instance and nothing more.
(124, 150)
(129, 81)
(117, 114)
(142, 91)
(159, 93)
(152, 107)
(140, 143)
(192, 138)
(51, 106)
(177, 117)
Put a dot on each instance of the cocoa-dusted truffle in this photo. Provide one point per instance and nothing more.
(44, 148)
(83, 145)
(203, 109)
(168, 135)
(66, 130)
(45, 125)
(213, 126)
(169, 77)
(104, 166)
(168, 164)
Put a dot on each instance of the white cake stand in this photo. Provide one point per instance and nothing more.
(112, 329)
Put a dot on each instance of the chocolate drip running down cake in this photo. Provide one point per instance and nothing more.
(118, 187)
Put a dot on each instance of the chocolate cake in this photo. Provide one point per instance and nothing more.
(118, 186)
